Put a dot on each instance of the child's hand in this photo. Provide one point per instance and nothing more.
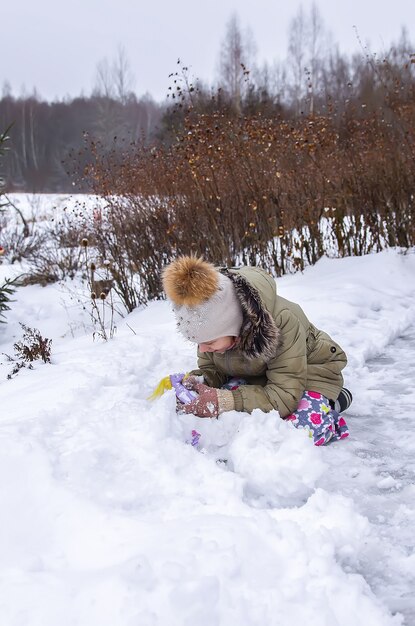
(207, 402)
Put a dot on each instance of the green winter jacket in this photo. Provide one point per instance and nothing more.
(281, 353)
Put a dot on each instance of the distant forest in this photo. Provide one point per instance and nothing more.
(315, 80)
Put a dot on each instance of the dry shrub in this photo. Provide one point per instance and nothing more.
(255, 190)
(32, 347)
(19, 245)
(57, 256)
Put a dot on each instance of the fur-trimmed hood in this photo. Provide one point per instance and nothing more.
(259, 335)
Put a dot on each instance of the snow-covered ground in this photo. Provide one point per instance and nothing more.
(109, 516)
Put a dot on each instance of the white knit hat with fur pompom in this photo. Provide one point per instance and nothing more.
(204, 300)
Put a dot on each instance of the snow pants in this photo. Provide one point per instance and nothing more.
(323, 423)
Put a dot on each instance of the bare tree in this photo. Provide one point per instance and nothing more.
(114, 79)
(278, 82)
(33, 101)
(113, 85)
(297, 38)
(104, 84)
(6, 90)
(306, 50)
(122, 75)
(316, 34)
(236, 60)
(336, 80)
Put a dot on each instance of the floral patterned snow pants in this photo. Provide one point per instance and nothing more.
(323, 423)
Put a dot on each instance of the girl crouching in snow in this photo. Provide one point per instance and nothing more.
(256, 350)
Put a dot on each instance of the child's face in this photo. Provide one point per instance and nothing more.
(217, 345)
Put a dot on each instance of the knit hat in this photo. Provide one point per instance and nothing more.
(204, 300)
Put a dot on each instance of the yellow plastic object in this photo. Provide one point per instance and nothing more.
(164, 385)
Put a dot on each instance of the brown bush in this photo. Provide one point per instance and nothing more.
(255, 190)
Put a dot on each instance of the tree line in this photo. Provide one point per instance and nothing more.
(43, 133)
(315, 80)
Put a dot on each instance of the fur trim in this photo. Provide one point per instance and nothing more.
(189, 281)
(260, 337)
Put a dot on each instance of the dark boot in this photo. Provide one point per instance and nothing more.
(343, 401)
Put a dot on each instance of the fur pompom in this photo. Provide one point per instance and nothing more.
(189, 281)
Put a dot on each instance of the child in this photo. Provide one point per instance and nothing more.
(244, 329)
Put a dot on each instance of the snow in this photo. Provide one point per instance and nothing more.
(109, 516)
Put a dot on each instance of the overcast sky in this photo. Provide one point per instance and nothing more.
(55, 45)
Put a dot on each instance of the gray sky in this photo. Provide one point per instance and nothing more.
(55, 46)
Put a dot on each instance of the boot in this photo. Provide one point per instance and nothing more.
(343, 401)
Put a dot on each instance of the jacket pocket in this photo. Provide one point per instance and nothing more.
(325, 350)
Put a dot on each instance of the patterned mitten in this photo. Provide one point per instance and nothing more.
(210, 402)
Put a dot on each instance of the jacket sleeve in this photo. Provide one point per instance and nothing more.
(286, 373)
(208, 370)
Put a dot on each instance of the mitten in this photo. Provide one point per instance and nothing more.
(210, 402)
